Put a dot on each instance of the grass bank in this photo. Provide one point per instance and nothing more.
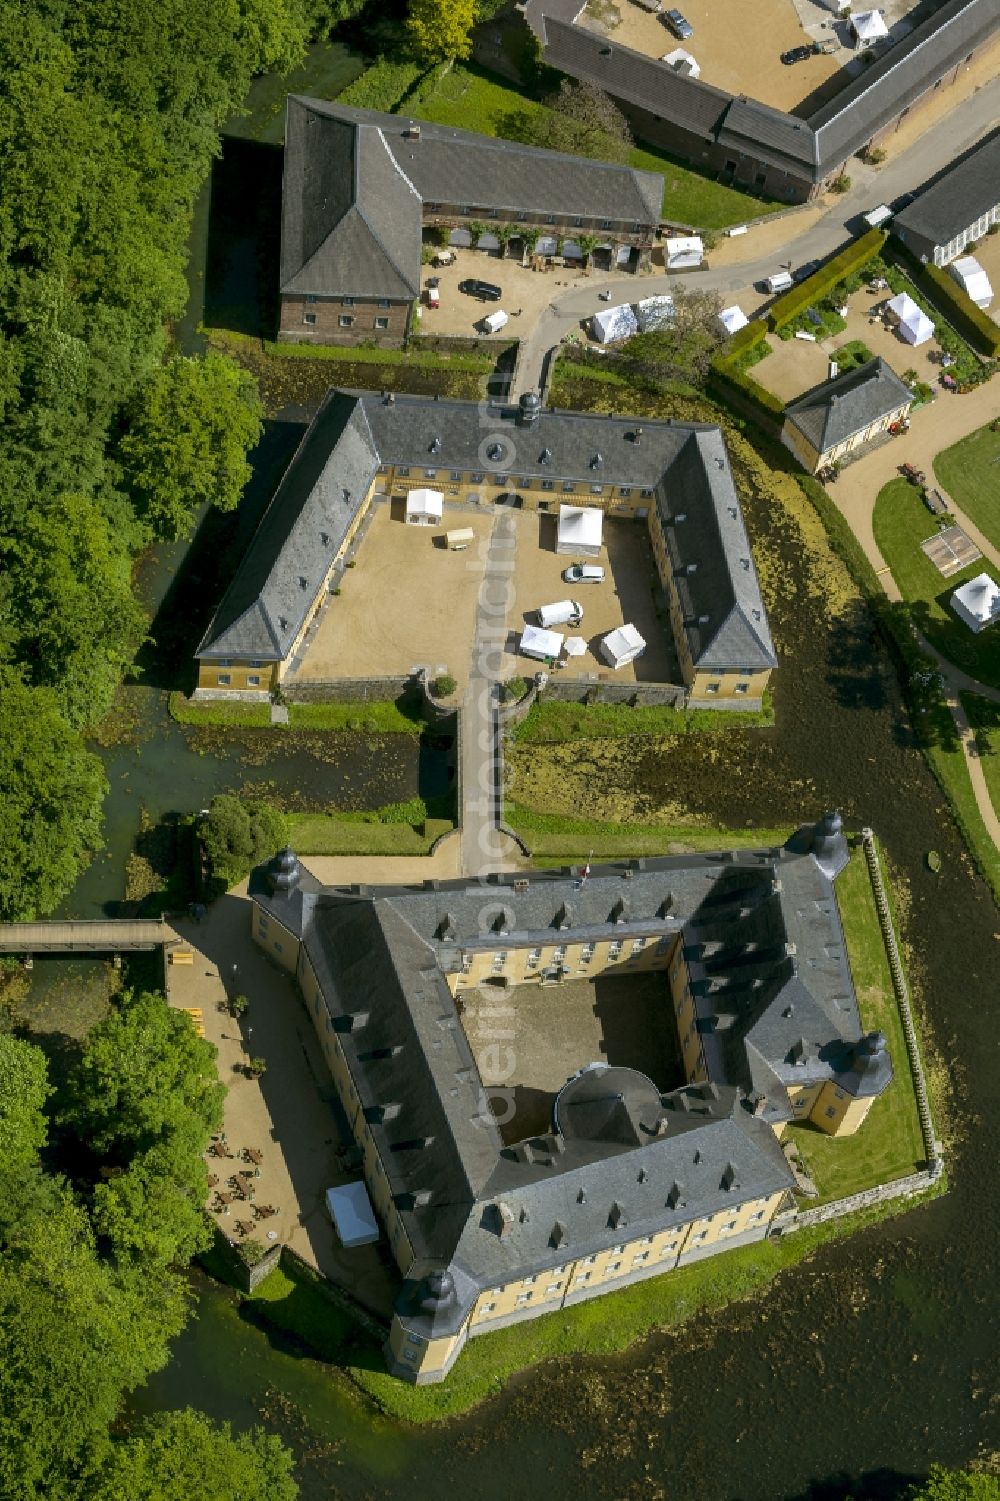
(292, 1301)
(409, 828)
(553, 838)
(549, 722)
(369, 716)
(968, 472)
(984, 716)
(901, 522)
(889, 1144)
(417, 359)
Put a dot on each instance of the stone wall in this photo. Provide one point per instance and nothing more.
(595, 691)
(882, 1193)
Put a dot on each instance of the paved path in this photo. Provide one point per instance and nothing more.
(932, 152)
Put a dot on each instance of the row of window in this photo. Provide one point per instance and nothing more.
(523, 482)
(469, 211)
(382, 302)
(346, 320)
(225, 679)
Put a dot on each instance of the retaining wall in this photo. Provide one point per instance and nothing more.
(595, 691)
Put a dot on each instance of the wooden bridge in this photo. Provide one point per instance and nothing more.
(110, 936)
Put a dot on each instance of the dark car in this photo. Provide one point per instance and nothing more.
(675, 22)
(486, 291)
(796, 55)
(805, 271)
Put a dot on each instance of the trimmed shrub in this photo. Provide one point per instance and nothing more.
(444, 686)
(728, 375)
(384, 85)
(435, 828)
(818, 286)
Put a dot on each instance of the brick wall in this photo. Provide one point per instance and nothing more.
(328, 312)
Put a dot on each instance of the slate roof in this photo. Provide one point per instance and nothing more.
(685, 466)
(959, 197)
(355, 185)
(811, 148)
(838, 409)
(775, 1006)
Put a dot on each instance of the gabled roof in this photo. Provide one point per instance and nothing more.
(838, 409)
(957, 199)
(277, 581)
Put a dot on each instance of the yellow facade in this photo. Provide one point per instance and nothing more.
(505, 965)
(811, 458)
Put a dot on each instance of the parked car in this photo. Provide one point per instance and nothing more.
(486, 291)
(796, 55)
(805, 271)
(584, 573)
(675, 22)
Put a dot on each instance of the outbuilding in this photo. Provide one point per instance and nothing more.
(977, 602)
(580, 530)
(424, 507)
(622, 646)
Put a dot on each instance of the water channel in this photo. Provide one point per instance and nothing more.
(866, 1364)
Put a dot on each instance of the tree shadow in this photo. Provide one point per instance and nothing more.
(884, 1484)
(244, 238)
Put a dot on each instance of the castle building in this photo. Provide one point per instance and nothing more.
(741, 957)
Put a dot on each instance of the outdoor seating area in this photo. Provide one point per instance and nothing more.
(240, 1187)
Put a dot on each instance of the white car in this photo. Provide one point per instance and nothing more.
(584, 573)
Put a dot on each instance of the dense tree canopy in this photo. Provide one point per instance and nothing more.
(579, 118)
(181, 1454)
(238, 834)
(957, 1485)
(439, 30)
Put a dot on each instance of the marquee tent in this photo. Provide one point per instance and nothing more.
(613, 323)
(733, 318)
(622, 646)
(913, 322)
(977, 602)
(682, 251)
(424, 507)
(580, 530)
(972, 279)
(541, 644)
(350, 1209)
(681, 61)
(575, 646)
(654, 312)
(868, 26)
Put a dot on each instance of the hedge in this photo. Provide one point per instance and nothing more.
(815, 287)
(735, 384)
(952, 301)
(384, 85)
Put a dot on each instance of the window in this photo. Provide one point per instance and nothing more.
(402, 471)
(712, 688)
(278, 949)
(559, 953)
(646, 494)
(524, 1298)
(597, 489)
(625, 491)
(456, 475)
(527, 1281)
(741, 687)
(569, 485)
(617, 1250)
(523, 483)
(430, 474)
(669, 1248)
(578, 223)
(543, 505)
(838, 1094)
(224, 680)
(533, 957)
(731, 1226)
(348, 301)
(346, 320)
(310, 319)
(477, 479)
(756, 1218)
(583, 1277)
(383, 302)
(253, 680)
(381, 323)
(614, 950)
(411, 1356)
(605, 223)
(702, 1235)
(830, 1112)
(256, 663)
(548, 484)
(614, 1266)
(262, 924)
(587, 953)
(640, 1258)
(638, 944)
(553, 1287)
(589, 1260)
(414, 1339)
(466, 963)
(488, 1307)
(499, 960)
(309, 298)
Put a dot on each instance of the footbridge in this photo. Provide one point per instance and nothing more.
(107, 936)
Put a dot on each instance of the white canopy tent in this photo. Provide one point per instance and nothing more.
(973, 280)
(977, 602)
(683, 250)
(914, 324)
(580, 530)
(350, 1209)
(733, 318)
(654, 312)
(869, 26)
(681, 61)
(614, 323)
(424, 507)
(622, 646)
(575, 646)
(541, 644)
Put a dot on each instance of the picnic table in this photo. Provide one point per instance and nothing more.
(243, 1183)
(223, 1197)
(252, 1155)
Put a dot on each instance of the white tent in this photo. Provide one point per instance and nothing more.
(541, 644)
(613, 323)
(733, 318)
(622, 646)
(682, 62)
(653, 313)
(972, 279)
(868, 26)
(914, 324)
(575, 646)
(580, 530)
(684, 250)
(977, 602)
(350, 1209)
(424, 507)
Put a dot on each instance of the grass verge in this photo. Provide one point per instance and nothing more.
(218, 712)
(968, 473)
(429, 359)
(399, 829)
(984, 716)
(549, 722)
(889, 1144)
(901, 522)
(371, 717)
(549, 835)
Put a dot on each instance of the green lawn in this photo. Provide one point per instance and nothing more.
(429, 359)
(549, 722)
(889, 1144)
(970, 472)
(984, 716)
(346, 834)
(472, 99)
(554, 839)
(901, 522)
(373, 716)
(218, 712)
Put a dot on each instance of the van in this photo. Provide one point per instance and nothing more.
(779, 282)
(562, 612)
(459, 539)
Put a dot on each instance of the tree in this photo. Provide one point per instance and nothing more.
(957, 1485)
(680, 351)
(24, 1088)
(50, 812)
(439, 29)
(183, 1454)
(579, 118)
(189, 430)
(238, 834)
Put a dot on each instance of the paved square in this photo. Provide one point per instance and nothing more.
(950, 551)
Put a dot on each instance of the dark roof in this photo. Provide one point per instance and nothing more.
(355, 184)
(959, 197)
(833, 412)
(811, 148)
(685, 465)
(275, 586)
